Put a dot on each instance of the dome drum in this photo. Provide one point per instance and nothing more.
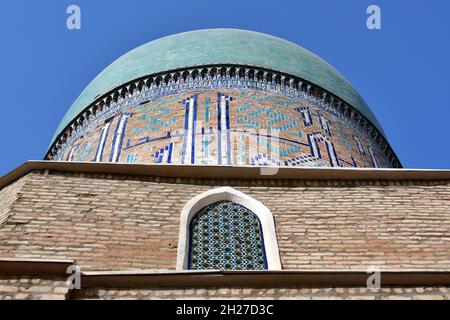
(268, 83)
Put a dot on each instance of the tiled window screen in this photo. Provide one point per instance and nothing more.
(226, 236)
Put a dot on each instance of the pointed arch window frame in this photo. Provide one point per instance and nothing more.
(204, 199)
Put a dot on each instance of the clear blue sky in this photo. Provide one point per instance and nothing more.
(403, 70)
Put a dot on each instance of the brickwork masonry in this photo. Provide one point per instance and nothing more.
(120, 222)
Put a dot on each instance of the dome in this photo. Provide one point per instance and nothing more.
(219, 46)
(222, 97)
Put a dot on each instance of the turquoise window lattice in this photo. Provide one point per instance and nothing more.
(226, 236)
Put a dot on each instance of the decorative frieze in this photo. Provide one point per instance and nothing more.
(214, 77)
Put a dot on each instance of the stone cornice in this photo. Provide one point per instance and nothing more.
(225, 172)
(267, 279)
(13, 267)
(34, 267)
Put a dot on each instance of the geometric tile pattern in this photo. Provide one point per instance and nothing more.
(227, 126)
(226, 236)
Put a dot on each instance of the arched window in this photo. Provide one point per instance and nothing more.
(226, 236)
(227, 230)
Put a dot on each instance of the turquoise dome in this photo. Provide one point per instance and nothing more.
(218, 46)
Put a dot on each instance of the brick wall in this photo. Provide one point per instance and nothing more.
(118, 222)
(297, 293)
(55, 288)
(8, 195)
(37, 288)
